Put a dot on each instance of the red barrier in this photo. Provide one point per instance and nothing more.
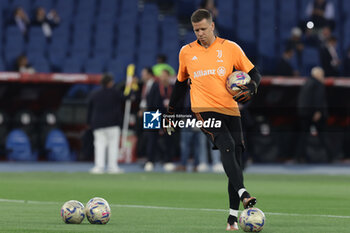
(50, 78)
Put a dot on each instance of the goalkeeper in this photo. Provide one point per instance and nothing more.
(207, 62)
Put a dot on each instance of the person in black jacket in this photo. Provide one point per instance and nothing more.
(105, 119)
(284, 66)
(312, 111)
(329, 57)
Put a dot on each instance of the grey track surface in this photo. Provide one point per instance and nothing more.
(333, 169)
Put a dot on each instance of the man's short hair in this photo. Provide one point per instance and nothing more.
(201, 14)
(106, 78)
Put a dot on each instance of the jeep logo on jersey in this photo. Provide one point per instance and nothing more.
(221, 71)
(201, 73)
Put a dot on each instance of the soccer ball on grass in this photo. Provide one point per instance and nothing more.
(73, 212)
(98, 211)
(252, 220)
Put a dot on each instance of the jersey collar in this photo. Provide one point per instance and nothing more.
(212, 44)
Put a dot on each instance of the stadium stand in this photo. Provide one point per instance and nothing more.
(98, 31)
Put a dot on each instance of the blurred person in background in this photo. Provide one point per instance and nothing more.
(347, 63)
(284, 65)
(321, 13)
(158, 99)
(329, 57)
(162, 65)
(296, 43)
(21, 19)
(210, 6)
(46, 22)
(22, 65)
(146, 84)
(105, 119)
(312, 111)
(192, 140)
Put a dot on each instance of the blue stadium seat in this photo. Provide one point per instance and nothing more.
(25, 4)
(189, 37)
(41, 65)
(57, 146)
(170, 46)
(72, 65)
(117, 67)
(18, 147)
(94, 66)
(14, 45)
(2, 65)
(106, 5)
(185, 8)
(47, 4)
(34, 55)
(144, 60)
(245, 21)
(267, 25)
(287, 16)
(225, 18)
(310, 59)
(151, 8)
(126, 44)
(86, 5)
(65, 9)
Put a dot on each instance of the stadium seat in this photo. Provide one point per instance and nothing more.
(25, 4)
(72, 65)
(185, 8)
(169, 28)
(2, 65)
(287, 18)
(47, 4)
(58, 147)
(144, 60)
(65, 9)
(266, 25)
(41, 65)
(245, 21)
(310, 59)
(189, 37)
(117, 67)
(94, 66)
(225, 18)
(18, 147)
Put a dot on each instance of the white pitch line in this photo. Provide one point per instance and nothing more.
(176, 208)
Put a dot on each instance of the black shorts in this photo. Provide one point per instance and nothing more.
(229, 125)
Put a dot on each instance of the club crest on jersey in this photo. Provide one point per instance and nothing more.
(201, 73)
(221, 71)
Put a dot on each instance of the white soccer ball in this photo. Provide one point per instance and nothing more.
(98, 211)
(234, 79)
(73, 212)
(252, 220)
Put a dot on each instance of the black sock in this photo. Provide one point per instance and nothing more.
(231, 219)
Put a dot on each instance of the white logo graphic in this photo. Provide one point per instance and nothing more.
(221, 71)
(151, 120)
(219, 53)
(201, 73)
(194, 58)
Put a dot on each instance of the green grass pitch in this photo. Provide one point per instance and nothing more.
(192, 202)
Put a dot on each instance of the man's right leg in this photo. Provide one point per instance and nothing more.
(100, 143)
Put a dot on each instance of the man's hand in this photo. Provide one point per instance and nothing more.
(169, 127)
(246, 93)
